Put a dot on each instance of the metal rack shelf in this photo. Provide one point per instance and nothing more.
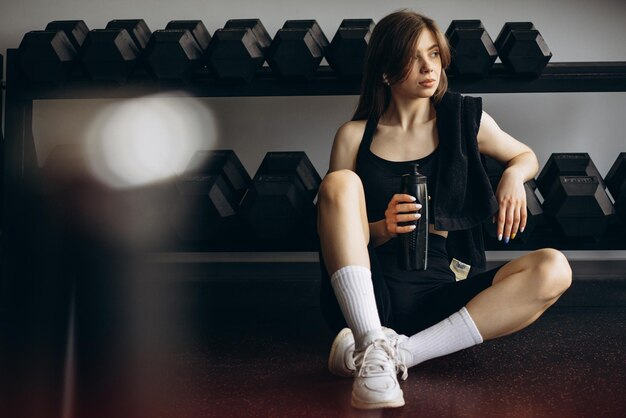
(556, 77)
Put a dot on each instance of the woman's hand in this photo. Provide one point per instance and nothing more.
(511, 196)
(401, 208)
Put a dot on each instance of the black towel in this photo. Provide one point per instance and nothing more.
(466, 198)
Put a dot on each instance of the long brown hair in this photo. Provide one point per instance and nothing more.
(390, 51)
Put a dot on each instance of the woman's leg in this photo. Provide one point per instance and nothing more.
(522, 290)
(506, 300)
(344, 235)
(342, 221)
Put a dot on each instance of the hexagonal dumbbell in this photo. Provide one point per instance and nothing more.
(522, 49)
(50, 55)
(209, 192)
(616, 183)
(110, 55)
(136, 28)
(346, 52)
(575, 200)
(292, 162)
(534, 211)
(173, 54)
(279, 204)
(579, 207)
(277, 208)
(196, 28)
(565, 164)
(76, 30)
(176, 52)
(473, 52)
(313, 26)
(238, 50)
(46, 56)
(139, 32)
(297, 49)
(257, 28)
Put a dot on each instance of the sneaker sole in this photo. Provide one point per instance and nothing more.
(336, 357)
(359, 404)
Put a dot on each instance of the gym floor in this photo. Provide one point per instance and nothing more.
(569, 364)
(253, 345)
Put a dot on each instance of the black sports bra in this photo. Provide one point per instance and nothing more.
(381, 178)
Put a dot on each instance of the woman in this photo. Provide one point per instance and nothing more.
(405, 115)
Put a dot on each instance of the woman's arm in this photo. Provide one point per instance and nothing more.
(521, 165)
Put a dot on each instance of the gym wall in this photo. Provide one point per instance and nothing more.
(575, 30)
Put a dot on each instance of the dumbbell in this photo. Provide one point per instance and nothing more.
(297, 49)
(136, 28)
(113, 53)
(209, 192)
(616, 183)
(238, 50)
(575, 200)
(522, 49)
(566, 164)
(473, 51)
(534, 212)
(139, 33)
(76, 30)
(50, 55)
(195, 27)
(346, 52)
(175, 53)
(279, 204)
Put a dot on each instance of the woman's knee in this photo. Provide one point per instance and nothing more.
(339, 186)
(552, 273)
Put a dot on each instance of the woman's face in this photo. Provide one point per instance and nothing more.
(425, 72)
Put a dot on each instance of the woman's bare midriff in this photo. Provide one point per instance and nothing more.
(432, 230)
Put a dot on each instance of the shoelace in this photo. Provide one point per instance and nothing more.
(397, 358)
(374, 361)
(398, 361)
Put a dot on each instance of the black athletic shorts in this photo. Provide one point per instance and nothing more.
(410, 301)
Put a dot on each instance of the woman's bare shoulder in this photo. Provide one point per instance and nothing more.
(346, 145)
(351, 132)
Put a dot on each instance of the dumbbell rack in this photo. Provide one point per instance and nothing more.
(20, 150)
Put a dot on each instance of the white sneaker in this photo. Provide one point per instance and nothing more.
(375, 382)
(341, 359)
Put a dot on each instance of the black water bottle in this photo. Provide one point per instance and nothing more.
(413, 252)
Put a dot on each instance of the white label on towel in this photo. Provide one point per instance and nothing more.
(460, 269)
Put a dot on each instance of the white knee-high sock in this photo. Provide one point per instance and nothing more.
(355, 293)
(454, 333)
